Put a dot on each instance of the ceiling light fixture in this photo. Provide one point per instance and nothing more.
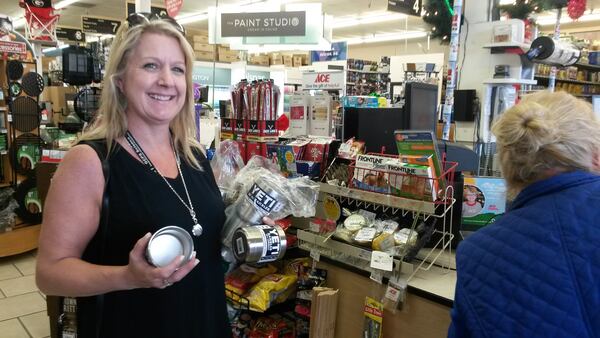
(65, 3)
(184, 20)
(384, 37)
(547, 20)
(374, 17)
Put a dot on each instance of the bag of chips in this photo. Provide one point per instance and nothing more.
(272, 289)
(242, 278)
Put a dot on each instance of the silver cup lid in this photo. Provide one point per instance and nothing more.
(169, 243)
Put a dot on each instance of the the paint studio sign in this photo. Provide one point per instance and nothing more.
(263, 24)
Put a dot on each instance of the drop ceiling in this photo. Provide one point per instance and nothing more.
(71, 15)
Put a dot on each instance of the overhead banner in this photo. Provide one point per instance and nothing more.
(97, 25)
(235, 25)
(323, 80)
(410, 7)
(70, 34)
(339, 51)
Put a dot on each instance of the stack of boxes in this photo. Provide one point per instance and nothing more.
(211, 52)
(273, 59)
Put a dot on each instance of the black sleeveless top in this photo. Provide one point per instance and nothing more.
(141, 202)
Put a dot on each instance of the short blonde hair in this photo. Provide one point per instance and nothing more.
(545, 133)
(111, 122)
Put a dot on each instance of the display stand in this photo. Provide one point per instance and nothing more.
(437, 213)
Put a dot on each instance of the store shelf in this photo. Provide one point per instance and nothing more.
(510, 81)
(595, 68)
(569, 80)
(343, 252)
(366, 71)
(501, 47)
(390, 201)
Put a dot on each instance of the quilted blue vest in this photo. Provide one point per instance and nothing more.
(536, 271)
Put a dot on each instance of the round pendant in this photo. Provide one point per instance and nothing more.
(197, 230)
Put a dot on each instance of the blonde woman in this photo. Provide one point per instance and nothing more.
(158, 177)
(536, 271)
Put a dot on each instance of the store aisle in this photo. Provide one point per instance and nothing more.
(22, 305)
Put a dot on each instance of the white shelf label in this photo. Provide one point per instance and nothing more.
(382, 261)
(315, 255)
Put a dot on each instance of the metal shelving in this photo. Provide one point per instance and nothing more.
(569, 80)
(360, 257)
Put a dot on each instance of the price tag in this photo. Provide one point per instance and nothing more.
(377, 276)
(382, 261)
(392, 293)
(315, 255)
(314, 227)
(396, 290)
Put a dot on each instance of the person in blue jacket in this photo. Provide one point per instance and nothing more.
(536, 271)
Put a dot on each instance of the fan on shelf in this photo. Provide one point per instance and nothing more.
(87, 103)
(33, 84)
(25, 113)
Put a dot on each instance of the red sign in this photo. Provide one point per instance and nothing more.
(173, 7)
(12, 47)
(322, 78)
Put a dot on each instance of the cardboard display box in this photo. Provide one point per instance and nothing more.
(204, 47)
(205, 56)
(259, 60)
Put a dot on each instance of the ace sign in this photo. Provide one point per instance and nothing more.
(410, 7)
(323, 80)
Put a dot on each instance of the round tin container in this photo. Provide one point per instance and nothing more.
(167, 244)
(259, 243)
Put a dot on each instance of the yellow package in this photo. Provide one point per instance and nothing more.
(242, 278)
(272, 289)
(383, 242)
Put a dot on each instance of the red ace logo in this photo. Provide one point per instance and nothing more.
(322, 78)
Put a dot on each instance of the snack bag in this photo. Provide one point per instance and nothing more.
(272, 289)
(242, 278)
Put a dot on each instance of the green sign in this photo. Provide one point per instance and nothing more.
(252, 75)
(204, 76)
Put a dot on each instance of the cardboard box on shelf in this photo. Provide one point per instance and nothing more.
(276, 59)
(205, 56)
(287, 60)
(259, 60)
(227, 55)
(200, 38)
(296, 61)
(204, 47)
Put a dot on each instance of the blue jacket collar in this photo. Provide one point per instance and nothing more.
(552, 185)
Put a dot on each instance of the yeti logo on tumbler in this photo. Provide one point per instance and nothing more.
(261, 200)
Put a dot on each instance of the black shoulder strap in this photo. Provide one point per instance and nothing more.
(101, 149)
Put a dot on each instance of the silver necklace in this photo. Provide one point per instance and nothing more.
(197, 228)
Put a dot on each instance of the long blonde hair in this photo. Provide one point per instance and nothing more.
(546, 133)
(111, 122)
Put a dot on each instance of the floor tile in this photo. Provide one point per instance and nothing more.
(2, 295)
(8, 270)
(25, 263)
(18, 286)
(42, 294)
(37, 324)
(13, 329)
(21, 305)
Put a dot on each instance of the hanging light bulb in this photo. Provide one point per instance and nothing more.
(433, 29)
(436, 13)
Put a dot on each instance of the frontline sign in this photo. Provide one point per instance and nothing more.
(263, 24)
